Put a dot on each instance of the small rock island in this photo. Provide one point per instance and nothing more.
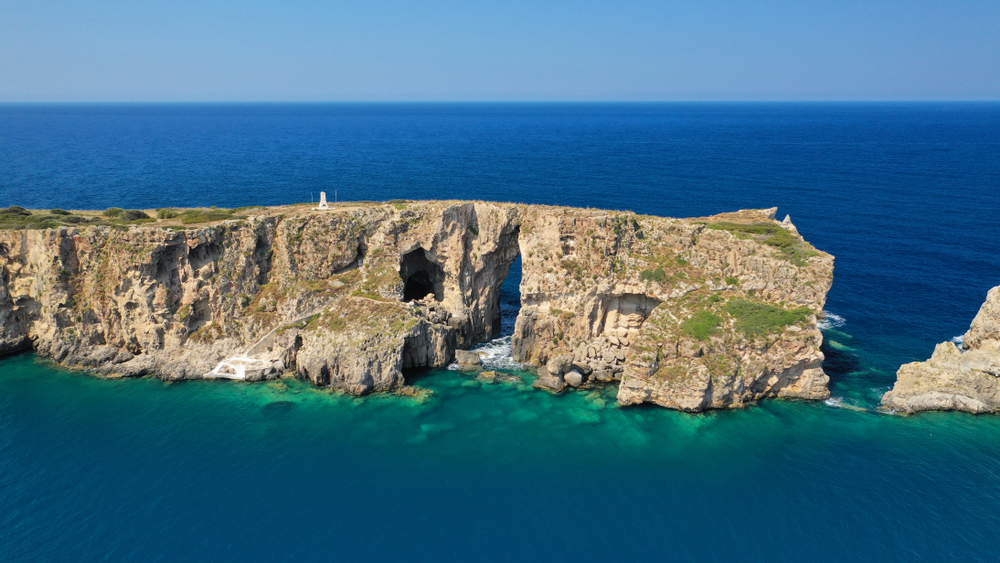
(689, 314)
(962, 377)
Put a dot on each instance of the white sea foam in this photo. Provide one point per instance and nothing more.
(831, 320)
(496, 354)
(958, 340)
(839, 403)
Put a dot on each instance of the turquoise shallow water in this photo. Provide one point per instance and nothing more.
(904, 196)
(141, 470)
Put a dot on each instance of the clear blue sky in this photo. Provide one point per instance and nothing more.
(292, 50)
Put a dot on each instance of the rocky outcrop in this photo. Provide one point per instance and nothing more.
(686, 313)
(965, 378)
(689, 314)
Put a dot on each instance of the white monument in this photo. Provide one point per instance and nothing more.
(322, 201)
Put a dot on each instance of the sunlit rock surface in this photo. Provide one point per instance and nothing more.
(960, 378)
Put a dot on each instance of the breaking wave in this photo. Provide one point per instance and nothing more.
(496, 354)
(831, 320)
(959, 340)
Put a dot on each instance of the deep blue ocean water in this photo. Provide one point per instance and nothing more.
(904, 195)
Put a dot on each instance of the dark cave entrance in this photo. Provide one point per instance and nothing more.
(420, 276)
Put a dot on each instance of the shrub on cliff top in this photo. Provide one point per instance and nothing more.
(133, 215)
(60, 212)
(702, 325)
(757, 319)
(657, 275)
(15, 210)
(166, 214)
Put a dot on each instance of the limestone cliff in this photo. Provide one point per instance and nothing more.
(963, 379)
(689, 314)
(686, 313)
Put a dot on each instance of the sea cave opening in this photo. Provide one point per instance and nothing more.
(420, 276)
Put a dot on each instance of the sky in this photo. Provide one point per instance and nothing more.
(498, 50)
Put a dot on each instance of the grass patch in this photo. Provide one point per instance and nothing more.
(701, 326)
(792, 248)
(195, 216)
(17, 217)
(757, 319)
(654, 275)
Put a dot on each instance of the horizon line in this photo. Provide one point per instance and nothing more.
(568, 102)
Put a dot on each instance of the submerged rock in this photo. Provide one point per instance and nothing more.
(488, 376)
(277, 407)
(549, 382)
(966, 379)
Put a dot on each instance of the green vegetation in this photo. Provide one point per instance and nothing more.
(195, 216)
(732, 281)
(113, 212)
(702, 325)
(60, 212)
(245, 208)
(134, 215)
(302, 324)
(369, 295)
(757, 319)
(166, 213)
(15, 210)
(655, 275)
(574, 268)
(792, 248)
(17, 217)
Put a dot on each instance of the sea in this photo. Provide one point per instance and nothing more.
(905, 195)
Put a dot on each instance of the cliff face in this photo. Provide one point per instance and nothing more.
(688, 314)
(963, 379)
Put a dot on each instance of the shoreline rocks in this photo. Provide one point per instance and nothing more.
(956, 379)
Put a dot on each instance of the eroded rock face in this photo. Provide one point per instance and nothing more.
(963, 379)
(619, 293)
(350, 297)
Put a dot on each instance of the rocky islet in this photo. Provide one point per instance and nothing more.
(690, 314)
(959, 377)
